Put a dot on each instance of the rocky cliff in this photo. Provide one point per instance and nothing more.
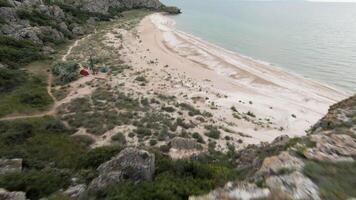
(47, 24)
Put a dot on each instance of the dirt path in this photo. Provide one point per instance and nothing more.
(56, 103)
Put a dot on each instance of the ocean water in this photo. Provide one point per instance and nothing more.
(316, 40)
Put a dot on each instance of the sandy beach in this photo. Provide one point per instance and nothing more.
(282, 103)
(248, 100)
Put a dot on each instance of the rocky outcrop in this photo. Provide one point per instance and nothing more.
(295, 186)
(282, 162)
(236, 191)
(75, 192)
(279, 166)
(10, 166)
(6, 195)
(48, 24)
(332, 148)
(103, 6)
(130, 164)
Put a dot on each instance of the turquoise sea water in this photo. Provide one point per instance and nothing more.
(316, 40)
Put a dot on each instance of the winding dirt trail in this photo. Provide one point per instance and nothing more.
(56, 104)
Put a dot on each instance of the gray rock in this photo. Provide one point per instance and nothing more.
(6, 195)
(235, 191)
(130, 164)
(28, 3)
(54, 12)
(47, 50)
(62, 26)
(333, 148)
(78, 30)
(295, 185)
(183, 143)
(284, 161)
(281, 140)
(8, 14)
(31, 33)
(92, 21)
(10, 165)
(75, 192)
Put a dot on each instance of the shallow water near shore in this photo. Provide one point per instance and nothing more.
(315, 40)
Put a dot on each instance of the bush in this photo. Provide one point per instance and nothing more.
(32, 98)
(15, 52)
(153, 142)
(119, 138)
(169, 109)
(141, 79)
(4, 3)
(65, 72)
(175, 180)
(10, 79)
(191, 110)
(143, 131)
(36, 184)
(198, 137)
(212, 132)
(83, 140)
(40, 142)
(97, 156)
(335, 180)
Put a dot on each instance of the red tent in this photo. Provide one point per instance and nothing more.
(84, 72)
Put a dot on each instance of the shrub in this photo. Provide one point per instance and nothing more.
(143, 131)
(191, 110)
(141, 79)
(212, 132)
(153, 142)
(119, 138)
(175, 180)
(95, 157)
(335, 180)
(10, 79)
(249, 113)
(4, 3)
(198, 137)
(15, 52)
(65, 72)
(168, 109)
(36, 184)
(83, 140)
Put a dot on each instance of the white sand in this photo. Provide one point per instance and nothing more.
(229, 79)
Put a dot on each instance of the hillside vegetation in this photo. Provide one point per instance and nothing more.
(66, 136)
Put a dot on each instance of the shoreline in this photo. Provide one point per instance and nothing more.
(229, 79)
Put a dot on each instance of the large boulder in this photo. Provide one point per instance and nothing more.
(54, 12)
(78, 30)
(294, 185)
(30, 33)
(8, 14)
(276, 164)
(75, 192)
(6, 195)
(235, 191)
(130, 164)
(103, 6)
(10, 165)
